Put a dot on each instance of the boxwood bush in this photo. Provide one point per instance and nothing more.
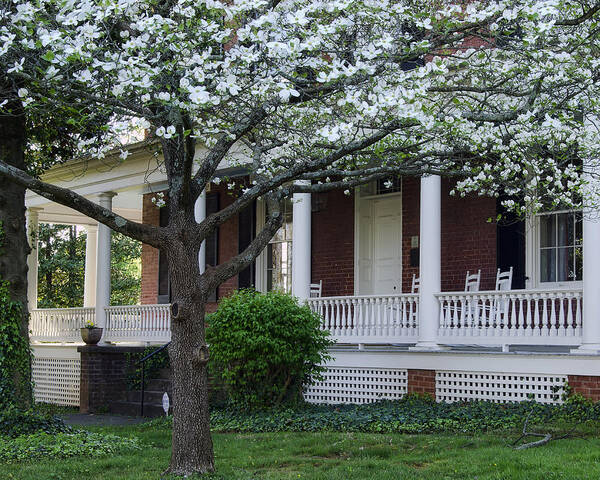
(265, 347)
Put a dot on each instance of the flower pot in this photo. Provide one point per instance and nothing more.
(91, 336)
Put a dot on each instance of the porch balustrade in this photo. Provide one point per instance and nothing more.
(138, 323)
(533, 317)
(369, 319)
(511, 317)
(133, 323)
(59, 324)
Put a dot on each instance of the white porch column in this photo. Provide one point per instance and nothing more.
(32, 258)
(301, 245)
(430, 269)
(89, 287)
(103, 263)
(200, 215)
(591, 270)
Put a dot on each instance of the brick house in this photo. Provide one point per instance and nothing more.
(365, 249)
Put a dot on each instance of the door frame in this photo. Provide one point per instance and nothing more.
(357, 199)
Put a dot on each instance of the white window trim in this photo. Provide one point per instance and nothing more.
(261, 261)
(261, 267)
(532, 257)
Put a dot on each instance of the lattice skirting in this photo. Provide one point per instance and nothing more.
(56, 380)
(357, 385)
(453, 386)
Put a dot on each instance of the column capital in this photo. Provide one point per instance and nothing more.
(107, 195)
(91, 228)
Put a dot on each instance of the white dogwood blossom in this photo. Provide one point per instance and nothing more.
(511, 83)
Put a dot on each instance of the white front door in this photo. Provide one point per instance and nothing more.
(387, 246)
(380, 245)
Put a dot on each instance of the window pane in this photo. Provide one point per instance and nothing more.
(565, 262)
(578, 264)
(279, 273)
(566, 229)
(547, 231)
(578, 228)
(548, 265)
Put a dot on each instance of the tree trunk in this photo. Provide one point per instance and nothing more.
(14, 246)
(192, 444)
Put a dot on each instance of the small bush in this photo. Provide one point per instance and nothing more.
(265, 347)
(63, 445)
(15, 422)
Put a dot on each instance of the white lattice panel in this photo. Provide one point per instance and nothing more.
(498, 387)
(56, 380)
(357, 385)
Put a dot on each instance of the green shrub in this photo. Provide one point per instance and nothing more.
(63, 445)
(15, 422)
(265, 347)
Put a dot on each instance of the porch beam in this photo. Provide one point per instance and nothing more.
(89, 286)
(430, 270)
(301, 244)
(103, 255)
(32, 258)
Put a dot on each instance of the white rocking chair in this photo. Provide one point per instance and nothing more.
(316, 289)
(416, 284)
(500, 307)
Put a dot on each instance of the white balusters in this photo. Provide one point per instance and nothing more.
(59, 324)
(526, 316)
(369, 319)
(138, 323)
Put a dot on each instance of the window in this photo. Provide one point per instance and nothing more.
(279, 254)
(560, 247)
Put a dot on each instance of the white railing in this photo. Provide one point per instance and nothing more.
(59, 324)
(551, 317)
(138, 323)
(370, 319)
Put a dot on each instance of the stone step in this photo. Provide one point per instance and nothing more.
(132, 409)
(150, 396)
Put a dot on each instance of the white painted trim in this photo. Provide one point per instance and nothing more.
(532, 257)
(530, 363)
(260, 270)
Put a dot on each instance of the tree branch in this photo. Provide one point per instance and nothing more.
(144, 233)
(579, 20)
(215, 276)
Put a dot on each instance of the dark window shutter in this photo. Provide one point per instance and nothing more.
(212, 242)
(164, 286)
(246, 233)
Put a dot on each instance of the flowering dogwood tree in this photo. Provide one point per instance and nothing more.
(308, 96)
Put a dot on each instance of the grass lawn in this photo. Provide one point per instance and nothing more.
(336, 456)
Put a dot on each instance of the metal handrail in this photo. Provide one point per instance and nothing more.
(143, 362)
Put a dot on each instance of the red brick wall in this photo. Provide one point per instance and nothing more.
(421, 381)
(150, 216)
(333, 243)
(468, 240)
(228, 240)
(586, 385)
(411, 191)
